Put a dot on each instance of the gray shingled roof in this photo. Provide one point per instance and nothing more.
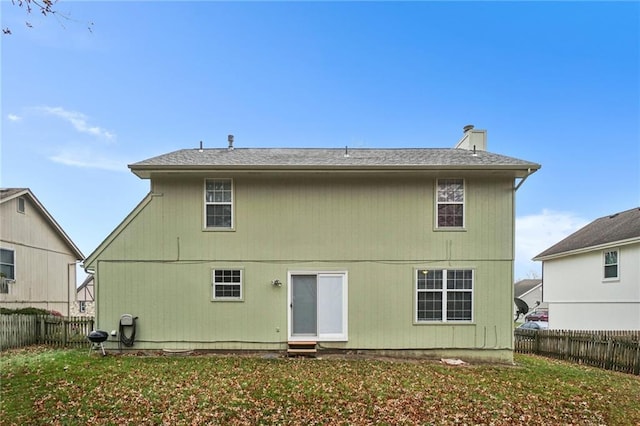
(9, 192)
(524, 286)
(275, 158)
(605, 230)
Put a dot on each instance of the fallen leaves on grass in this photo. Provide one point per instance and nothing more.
(200, 390)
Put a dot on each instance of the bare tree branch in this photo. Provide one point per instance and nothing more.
(45, 7)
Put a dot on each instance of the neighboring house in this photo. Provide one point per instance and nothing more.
(37, 258)
(592, 278)
(529, 290)
(85, 302)
(355, 249)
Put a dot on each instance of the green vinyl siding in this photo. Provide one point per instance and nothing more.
(158, 264)
(293, 218)
(173, 305)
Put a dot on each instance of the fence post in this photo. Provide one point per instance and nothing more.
(65, 331)
(608, 362)
(41, 331)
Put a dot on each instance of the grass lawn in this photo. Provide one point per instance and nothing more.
(46, 386)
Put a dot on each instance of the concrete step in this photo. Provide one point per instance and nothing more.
(302, 348)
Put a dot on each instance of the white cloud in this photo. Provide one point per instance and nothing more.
(13, 117)
(88, 158)
(536, 233)
(79, 121)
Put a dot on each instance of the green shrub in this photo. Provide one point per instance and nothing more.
(25, 311)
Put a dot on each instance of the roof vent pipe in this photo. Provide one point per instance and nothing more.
(230, 139)
(200, 146)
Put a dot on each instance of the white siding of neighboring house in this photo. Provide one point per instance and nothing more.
(581, 299)
(532, 297)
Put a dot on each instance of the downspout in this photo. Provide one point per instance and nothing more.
(92, 271)
(513, 247)
(69, 287)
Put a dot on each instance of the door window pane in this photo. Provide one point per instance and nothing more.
(330, 304)
(304, 304)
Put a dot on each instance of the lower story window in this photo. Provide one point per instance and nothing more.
(227, 284)
(444, 295)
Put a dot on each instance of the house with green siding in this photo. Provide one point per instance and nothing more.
(400, 251)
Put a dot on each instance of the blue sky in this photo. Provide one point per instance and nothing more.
(555, 83)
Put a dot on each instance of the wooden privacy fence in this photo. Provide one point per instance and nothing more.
(24, 330)
(612, 350)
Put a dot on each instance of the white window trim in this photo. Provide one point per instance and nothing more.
(444, 291)
(604, 265)
(342, 337)
(213, 285)
(15, 270)
(463, 203)
(206, 203)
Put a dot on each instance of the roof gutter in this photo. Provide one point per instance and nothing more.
(145, 172)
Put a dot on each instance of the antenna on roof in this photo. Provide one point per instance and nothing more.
(200, 146)
(230, 139)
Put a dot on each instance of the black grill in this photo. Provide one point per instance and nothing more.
(96, 337)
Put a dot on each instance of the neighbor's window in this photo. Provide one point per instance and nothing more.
(450, 203)
(83, 306)
(8, 264)
(20, 204)
(611, 264)
(444, 295)
(218, 199)
(227, 284)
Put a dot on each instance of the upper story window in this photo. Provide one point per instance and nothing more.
(611, 264)
(218, 198)
(450, 203)
(227, 284)
(444, 295)
(20, 206)
(8, 264)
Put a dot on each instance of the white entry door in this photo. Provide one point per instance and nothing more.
(318, 306)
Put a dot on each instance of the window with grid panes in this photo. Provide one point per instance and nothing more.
(227, 284)
(218, 203)
(444, 295)
(450, 203)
